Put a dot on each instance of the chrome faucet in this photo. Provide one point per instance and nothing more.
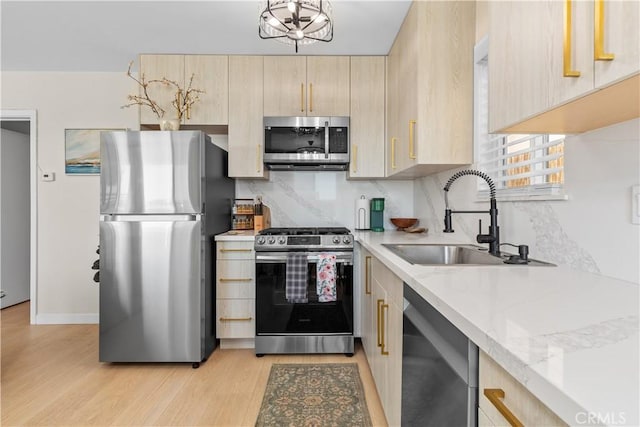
(493, 237)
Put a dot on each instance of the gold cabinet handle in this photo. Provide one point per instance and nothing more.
(236, 250)
(235, 319)
(224, 279)
(495, 395)
(310, 97)
(378, 311)
(258, 157)
(412, 126)
(598, 46)
(302, 97)
(568, 72)
(382, 340)
(393, 153)
(354, 160)
(367, 277)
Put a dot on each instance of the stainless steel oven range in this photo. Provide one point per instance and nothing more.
(304, 291)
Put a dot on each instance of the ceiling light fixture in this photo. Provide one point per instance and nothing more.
(296, 22)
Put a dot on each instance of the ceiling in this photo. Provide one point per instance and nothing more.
(106, 35)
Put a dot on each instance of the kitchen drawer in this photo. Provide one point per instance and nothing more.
(524, 405)
(391, 282)
(235, 250)
(235, 279)
(235, 318)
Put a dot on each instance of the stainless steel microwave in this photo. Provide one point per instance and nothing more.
(306, 143)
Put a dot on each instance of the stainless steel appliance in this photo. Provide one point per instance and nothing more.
(163, 195)
(306, 143)
(313, 326)
(439, 368)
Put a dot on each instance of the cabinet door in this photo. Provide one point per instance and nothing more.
(285, 81)
(210, 74)
(393, 344)
(378, 363)
(621, 37)
(328, 85)
(391, 113)
(521, 403)
(407, 85)
(155, 67)
(367, 117)
(526, 61)
(368, 328)
(246, 130)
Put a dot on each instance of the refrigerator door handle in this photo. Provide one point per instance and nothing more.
(147, 218)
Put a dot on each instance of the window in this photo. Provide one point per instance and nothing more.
(521, 166)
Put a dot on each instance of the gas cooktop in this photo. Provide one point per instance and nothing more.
(304, 231)
(304, 239)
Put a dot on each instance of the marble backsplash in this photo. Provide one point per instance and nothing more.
(325, 199)
(590, 231)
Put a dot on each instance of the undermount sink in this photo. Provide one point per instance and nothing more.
(432, 254)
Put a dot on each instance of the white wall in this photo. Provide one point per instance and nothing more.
(592, 231)
(325, 199)
(14, 217)
(68, 207)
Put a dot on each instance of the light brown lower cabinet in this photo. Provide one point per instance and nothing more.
(503, 401)
(235, 294)
(382, 333)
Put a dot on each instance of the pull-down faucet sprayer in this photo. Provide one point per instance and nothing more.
(493, 238)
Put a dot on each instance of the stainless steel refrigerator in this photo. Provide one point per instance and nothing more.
(163, 196)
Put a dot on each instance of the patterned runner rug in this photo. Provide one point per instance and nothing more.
(329, 394)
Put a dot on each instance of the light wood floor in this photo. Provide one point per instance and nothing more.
(51, 377)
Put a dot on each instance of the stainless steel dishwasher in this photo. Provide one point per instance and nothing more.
(439, 368)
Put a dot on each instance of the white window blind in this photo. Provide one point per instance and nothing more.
(520, 165)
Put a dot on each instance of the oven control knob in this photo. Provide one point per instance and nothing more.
(272, 240)
(260, 240)
(282, 240)
(336, 240)
(346, 240)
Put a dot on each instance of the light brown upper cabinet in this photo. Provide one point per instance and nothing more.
(246, 130)
(430, 90)
(563, 66)
(366, 125)
(211, 74)
(306, 86)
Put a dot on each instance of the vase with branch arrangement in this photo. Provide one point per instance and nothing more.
(182, 102)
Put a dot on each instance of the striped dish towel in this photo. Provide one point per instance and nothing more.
(296, 282)
(326, 274)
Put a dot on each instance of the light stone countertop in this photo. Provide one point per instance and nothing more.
(237, 236)
(570, 337)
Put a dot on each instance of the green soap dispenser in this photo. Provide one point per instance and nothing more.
(377, 214)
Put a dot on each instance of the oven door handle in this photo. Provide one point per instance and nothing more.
(341, 257)
(326, 140)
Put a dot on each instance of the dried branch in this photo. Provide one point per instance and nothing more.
(144, 99)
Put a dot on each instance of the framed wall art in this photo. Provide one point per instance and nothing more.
(82, 151)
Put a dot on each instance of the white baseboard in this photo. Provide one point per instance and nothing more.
(66, 318)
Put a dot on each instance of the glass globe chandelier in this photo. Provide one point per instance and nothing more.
(296, 22)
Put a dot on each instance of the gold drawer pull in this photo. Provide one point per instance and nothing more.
(567, 71)
(223, 279)
(354, 160)
(393, 153)
(412, 136)
(598, 47)
(235, 319)
(495, 395)
(367, 277)
(379, 303)
(236, 250)
(382, 339)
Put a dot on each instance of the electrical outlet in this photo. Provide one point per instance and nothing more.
(635, 204)
(48, 176)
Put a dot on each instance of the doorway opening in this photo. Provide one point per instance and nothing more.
(18, 208)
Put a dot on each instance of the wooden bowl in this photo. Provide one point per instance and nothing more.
(403, 223)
